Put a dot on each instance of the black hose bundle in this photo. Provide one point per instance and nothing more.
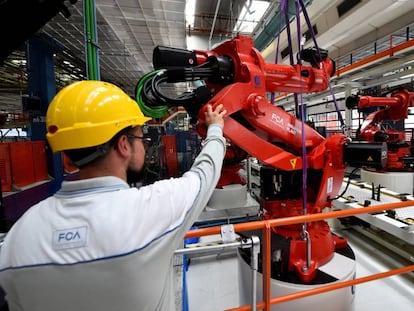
(155, 103)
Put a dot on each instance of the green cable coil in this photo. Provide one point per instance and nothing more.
(153, 112)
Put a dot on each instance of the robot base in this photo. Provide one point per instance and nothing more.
(340, 268)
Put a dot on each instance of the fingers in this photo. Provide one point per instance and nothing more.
(215, 116)
(219, 110)
(223, 112)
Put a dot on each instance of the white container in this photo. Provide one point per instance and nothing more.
(339, 267)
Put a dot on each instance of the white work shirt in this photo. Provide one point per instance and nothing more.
(98, 244)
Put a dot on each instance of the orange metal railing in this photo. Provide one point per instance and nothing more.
(387, 53)
(266, 226)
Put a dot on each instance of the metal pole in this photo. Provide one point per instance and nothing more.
(196, 250)
(91, 40)
(214, 24)
(254, 264)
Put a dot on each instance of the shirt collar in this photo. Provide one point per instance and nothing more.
(87, 186)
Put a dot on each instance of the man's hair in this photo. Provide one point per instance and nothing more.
(83, 156)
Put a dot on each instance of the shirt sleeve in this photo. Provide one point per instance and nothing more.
(178, 202)
(208, 164)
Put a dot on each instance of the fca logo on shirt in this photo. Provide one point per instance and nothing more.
(69, 236)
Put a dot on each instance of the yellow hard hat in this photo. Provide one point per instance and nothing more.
(89, 113)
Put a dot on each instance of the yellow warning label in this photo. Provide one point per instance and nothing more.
(370, 158)
(293, 162)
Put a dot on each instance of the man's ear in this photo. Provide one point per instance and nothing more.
(123, 145)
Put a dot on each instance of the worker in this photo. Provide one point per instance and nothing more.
(97, 243)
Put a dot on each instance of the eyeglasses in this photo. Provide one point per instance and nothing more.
(145, 140)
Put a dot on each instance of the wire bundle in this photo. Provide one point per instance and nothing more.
(154, 102)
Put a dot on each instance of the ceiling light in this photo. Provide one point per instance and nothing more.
(250, 16)
(18, 62)
(189, 12)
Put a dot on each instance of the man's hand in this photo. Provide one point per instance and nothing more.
(215, 116)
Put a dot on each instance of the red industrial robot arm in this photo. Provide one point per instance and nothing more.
(395, 108)
(245, 100)
(236, 75)
(390, 108)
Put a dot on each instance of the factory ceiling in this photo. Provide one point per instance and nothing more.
(128, 31)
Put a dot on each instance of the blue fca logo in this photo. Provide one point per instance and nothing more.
(70, 238)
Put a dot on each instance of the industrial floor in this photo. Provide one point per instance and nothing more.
(212, 281)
